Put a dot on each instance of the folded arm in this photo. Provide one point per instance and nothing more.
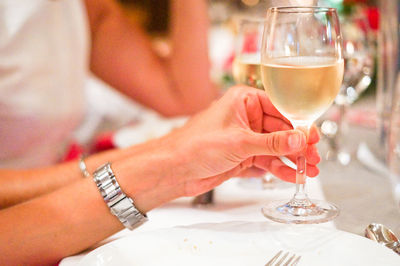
(122, 55)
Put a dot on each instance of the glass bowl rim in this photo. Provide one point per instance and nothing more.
(301, 9)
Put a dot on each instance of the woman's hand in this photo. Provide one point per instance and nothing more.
(241, 130)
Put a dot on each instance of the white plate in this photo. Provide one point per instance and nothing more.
(241, 243)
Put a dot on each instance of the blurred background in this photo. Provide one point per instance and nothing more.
(361, 19)
(153, 16)
(360, 23)
(152, 13)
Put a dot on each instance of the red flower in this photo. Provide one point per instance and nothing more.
(103, 141)
(372, 14)
(74, 152)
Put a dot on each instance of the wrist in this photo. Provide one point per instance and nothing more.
(120, 205)
(146, 176)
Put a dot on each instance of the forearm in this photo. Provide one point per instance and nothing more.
(189, 61)
(122, 56)
(20, 185)
(43, 230)
(17, 186)
(73, 218)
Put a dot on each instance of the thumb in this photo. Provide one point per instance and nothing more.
(276, 143)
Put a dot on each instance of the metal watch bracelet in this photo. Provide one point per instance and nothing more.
(120, 205)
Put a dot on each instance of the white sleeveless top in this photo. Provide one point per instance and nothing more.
(43, 66)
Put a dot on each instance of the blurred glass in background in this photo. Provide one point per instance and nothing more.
(388, 96)
(359, 55)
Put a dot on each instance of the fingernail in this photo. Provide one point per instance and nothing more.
(294, 141)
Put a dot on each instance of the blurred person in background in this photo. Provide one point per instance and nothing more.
(48, 47)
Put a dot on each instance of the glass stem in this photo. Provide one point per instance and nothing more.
(342, 126)
(300, 197)
(301, 177)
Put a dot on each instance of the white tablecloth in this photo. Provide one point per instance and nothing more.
(232, 203)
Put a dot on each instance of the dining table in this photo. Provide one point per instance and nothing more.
(362, 193)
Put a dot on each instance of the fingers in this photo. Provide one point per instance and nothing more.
(254, 113)
(268, 121)
(282, 171)
(312, 155)
(312, 170)
(277, 143)
(313, 136)
(252, 172)
(258, 102)
(279, 169)
(268, 108)
(272, 124)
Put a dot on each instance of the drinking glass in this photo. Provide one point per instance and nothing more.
(302, 70)
(358, 54)
(246, 70)
(246, 64)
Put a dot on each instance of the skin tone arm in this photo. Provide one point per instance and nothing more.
(47, 228)
(20, 185)
(17, 186)
(121, 55)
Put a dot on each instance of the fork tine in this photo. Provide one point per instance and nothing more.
(296, 261)
(282, 259)
(269, 263)
(289, 260)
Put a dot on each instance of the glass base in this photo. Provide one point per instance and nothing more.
(316, 212)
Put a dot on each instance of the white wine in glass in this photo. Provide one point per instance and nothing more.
(302, 88)
(302, 71)
(248, 40)
(246, 70)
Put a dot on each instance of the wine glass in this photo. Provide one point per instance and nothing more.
(246, 64)
(358, 54)
(246, 70)
(302, 70)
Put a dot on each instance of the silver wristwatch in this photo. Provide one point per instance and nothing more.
(120, 205)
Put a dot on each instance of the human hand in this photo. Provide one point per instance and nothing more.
(241, 130)
(280, 169)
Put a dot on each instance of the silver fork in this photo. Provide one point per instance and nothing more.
(278, 260)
